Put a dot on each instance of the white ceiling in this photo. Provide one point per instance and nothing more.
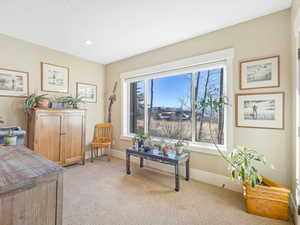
(120, 28)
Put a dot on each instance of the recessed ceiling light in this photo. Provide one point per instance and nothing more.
(88, 42)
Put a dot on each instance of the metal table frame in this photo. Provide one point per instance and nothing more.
(183, 158)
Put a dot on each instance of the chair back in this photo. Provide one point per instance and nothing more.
(103, 131)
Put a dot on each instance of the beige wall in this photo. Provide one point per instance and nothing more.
(295, 29)
(20, 55)
(265, 36)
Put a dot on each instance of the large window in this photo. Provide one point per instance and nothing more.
(169, 104)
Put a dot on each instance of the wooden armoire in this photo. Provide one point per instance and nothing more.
(58, 134)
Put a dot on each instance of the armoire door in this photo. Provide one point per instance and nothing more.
(47, 142)
(72, 137)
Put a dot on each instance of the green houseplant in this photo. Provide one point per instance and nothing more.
(262, 196)
(141, 138)
(32, 101)
(10, 138)
(179, 146)
(72, 101)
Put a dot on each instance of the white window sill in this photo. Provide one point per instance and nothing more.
(193, 147)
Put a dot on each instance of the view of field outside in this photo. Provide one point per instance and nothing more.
(170, 106)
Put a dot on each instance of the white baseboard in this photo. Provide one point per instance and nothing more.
(196, 174)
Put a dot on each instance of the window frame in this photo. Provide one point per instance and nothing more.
(223, 58)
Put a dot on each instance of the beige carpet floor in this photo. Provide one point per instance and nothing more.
(100, 193)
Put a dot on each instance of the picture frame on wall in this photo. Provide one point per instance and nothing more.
(55, 78)
(260, 110)
(14, 83)
(260, 73)
(87, 91)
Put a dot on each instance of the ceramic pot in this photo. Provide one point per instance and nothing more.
(10, 140)
(166, 150)
(141, 143)
(179, 149)
(43, 103)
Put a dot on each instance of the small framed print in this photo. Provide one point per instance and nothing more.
(88, 92)
(260, 73)
(260, 110)
(13, 83)
(55, 78)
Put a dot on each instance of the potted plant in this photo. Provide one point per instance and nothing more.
(10, 138)
(262, 196)
(36, 101)
(166, 147)
(73, 101)
(141, 138)
(179, 146)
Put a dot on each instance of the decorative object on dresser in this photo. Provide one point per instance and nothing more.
(31, 188)
(72, 102)
(13, 83)
(88, 92)
(55, 78)
(260, 110)
(103, 139)
(58, 134)
(36, 101)
(17, 131)
(260, 73)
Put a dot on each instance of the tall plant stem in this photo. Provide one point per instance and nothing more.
(214, 142)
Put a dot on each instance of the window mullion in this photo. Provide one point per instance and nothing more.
(146, 107)
(193, 107)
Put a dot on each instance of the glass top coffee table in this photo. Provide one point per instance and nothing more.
(158, 156)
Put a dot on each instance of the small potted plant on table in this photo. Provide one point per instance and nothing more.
(141, 138)
(179, 147)
(10, 138)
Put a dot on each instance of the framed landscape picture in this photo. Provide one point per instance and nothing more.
(13, 83)
(55, 78)
(260, 73)
(88, 92)
(260, 110)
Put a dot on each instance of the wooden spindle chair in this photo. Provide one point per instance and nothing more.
(102, 140)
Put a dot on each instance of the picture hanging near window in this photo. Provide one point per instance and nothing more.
(88, 92)
(55, 78)
(260, 110)
(260, 73)
(13, 83)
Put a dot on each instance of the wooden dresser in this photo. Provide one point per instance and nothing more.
(58, 134)
(31, 188)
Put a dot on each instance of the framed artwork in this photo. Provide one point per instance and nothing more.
(260, 110)
(260, 73)
(55, 78)
(88, 92)
(13, 83)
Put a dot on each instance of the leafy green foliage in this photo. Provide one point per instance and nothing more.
(241, 160)
(242, 168)
(32, 100)
(142, 137)
(10, 133)
(73, 101)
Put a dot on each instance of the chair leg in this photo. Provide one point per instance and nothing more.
(92, 150)
(109, 152)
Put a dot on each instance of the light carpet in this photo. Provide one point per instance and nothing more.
(101, 193)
